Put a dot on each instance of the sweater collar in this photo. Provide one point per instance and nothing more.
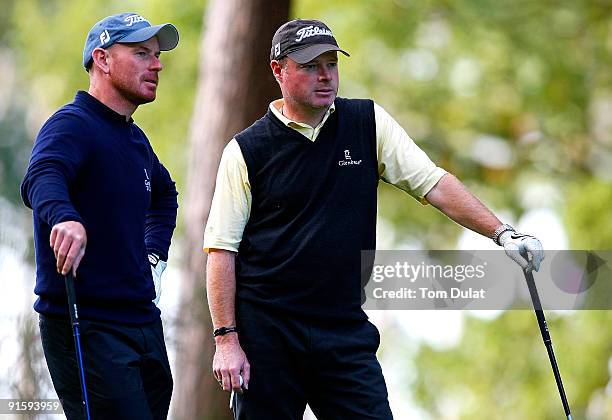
(93, 104)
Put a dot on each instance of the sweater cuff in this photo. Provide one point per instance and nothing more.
(163, 256)
(66, 217)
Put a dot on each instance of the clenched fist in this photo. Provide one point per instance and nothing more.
(68, 240)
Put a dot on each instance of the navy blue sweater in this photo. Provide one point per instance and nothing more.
(90, 165)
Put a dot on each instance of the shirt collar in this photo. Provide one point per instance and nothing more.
(276, 106)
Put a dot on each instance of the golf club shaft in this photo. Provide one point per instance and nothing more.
(74, 320)
(535, 298)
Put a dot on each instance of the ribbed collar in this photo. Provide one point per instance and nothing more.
(85, 99)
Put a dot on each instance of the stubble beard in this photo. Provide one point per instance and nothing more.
(314, 104)
(125, 89)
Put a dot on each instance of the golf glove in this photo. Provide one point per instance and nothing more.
(519, 247)
(157, 268)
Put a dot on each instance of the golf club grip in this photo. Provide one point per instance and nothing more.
(71, 294)
(533, 291)
(535, 298)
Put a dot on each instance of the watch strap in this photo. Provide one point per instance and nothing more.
(501, 229)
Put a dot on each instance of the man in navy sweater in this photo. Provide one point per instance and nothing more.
(104, 208)
(294, 205)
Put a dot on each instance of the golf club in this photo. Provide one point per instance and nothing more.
(74, 320)
(537, 306)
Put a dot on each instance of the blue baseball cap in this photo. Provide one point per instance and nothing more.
(124, 28)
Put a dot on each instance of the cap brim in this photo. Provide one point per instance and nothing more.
(167, 35)
(311, 52)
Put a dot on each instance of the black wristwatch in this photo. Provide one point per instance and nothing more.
(224, 330)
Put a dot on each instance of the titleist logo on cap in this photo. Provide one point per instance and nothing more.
(303, 40)
(309, 31)
(134, 19)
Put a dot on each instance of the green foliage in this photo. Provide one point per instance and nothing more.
(588, 214)
(500, 369)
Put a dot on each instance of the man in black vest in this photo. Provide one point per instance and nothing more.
(294, 205)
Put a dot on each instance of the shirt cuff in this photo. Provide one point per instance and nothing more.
(431, 182)
(218, 243)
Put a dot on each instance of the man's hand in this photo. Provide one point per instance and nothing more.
(230, 363)
(68, 240)
(157, 268)
(520, 247)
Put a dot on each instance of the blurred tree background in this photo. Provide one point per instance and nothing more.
(515, 98)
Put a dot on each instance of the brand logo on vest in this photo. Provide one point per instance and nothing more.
(348, 160)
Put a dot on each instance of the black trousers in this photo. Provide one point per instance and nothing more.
(126, 368)
(330, 365)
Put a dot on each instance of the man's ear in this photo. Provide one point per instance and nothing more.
(276, 67)
(100, 60)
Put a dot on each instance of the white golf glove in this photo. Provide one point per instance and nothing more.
(525, 250)
(157, 268)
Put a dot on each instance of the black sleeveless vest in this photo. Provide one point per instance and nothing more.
(313, 211)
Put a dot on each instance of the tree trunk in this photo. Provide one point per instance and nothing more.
(235, 86)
